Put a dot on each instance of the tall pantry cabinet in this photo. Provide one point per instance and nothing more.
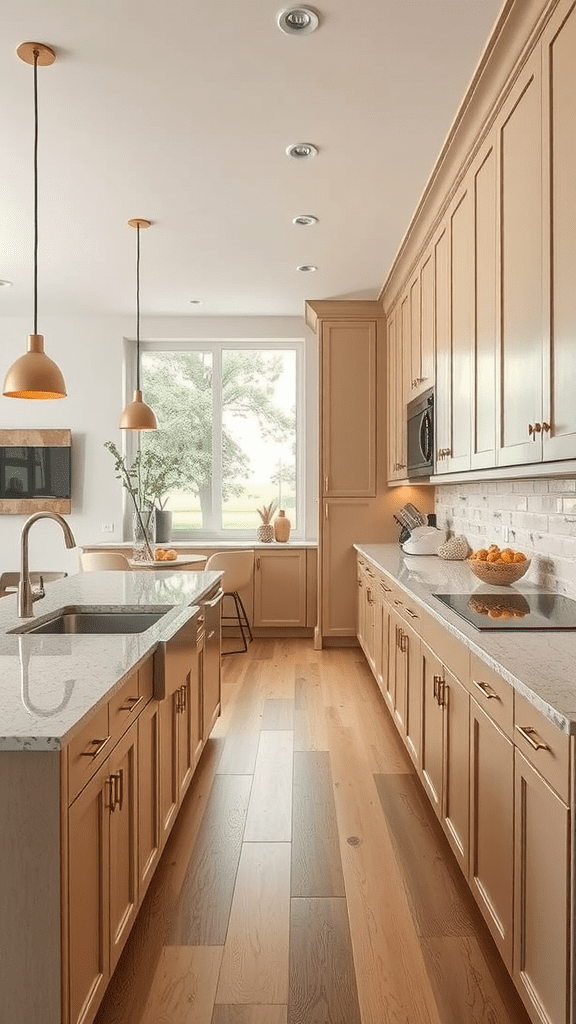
(352, 364)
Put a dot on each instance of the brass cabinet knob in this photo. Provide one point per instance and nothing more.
(533, 429)
(545, 427)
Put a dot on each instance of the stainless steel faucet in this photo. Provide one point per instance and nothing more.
(26, 596)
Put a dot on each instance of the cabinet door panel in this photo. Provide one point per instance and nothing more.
(559, 389)
(541, 865)
(462, 297)
(415, 337)
(280, 588)
(456, 766)
(349, 408)
(88, 884)
(491, 826)
(148, 794)
(344, 520)
(485, 334)
(443, 352)
(521, 272)
(168, 769)
(123, 842)
(427, 322)
(413, 694)
(432, 730)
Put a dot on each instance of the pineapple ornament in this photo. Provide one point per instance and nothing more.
(265, 532)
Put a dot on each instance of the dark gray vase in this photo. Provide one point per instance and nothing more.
(163, 526)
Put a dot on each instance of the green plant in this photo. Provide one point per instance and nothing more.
(150, 477)
(148, 480)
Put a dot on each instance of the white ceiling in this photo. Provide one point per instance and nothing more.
(180, 111)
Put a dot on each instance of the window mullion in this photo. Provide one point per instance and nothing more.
(216, 514)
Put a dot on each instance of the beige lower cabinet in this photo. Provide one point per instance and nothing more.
(148, 793)
(498, 774)
(87, 897)
(542, 893)
(445, 750)
(280, 587)
(491, 826)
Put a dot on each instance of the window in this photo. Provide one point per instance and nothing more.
(230, 418)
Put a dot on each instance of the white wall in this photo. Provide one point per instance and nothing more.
(537, 516)
(89, 351)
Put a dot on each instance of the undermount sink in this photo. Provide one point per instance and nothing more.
(92, 620)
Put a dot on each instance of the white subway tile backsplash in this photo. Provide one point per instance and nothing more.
(537, 516)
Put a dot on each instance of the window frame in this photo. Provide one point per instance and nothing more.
(131, 439)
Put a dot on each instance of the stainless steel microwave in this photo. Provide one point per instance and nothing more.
(420, 435)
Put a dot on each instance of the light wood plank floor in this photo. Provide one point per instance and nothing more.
(306, 880)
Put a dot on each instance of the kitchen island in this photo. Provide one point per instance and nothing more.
(94, 763)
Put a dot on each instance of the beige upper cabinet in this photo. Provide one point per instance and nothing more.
(348, 403)
(422, 328)
(559, 408)
(485, 327)
(456, 453)
(519, 130)
(396, 406)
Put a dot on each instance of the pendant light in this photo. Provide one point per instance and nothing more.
(35, 375)
(137, 415)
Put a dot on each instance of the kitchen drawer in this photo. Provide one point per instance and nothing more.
(387, 589)
(543, 745)
(451, 652)
(87, 751)
(125, 706)
(494, 695)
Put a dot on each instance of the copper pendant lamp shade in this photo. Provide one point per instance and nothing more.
(34, 374)
(137, 415)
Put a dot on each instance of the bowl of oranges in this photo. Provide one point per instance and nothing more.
(498, 566)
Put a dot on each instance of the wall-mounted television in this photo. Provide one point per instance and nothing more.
(35, 470)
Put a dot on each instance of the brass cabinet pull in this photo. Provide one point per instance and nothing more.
(178, 697)
(486, 689)
(109, 784)
(119, 788)
(396, 601)
(403, 641)
(399, 465)
(532, 737)
(439, 690)
(184, 697)
(388, 590)
(131, 704)
(533, 429)
(325, 483)
(397, 628)
(413, 615)
(545, 427)
(326, 511)
(99, 747)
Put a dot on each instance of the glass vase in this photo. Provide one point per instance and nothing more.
(144, 532)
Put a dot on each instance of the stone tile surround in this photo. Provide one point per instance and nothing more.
(537, 516)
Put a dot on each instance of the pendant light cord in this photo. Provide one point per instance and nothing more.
(36, 55)
(138, 307)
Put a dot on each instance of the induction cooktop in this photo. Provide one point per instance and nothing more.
(513, 611)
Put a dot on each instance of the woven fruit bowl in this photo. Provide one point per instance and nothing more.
(499, 574)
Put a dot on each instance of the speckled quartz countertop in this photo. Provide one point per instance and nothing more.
(540, 664)
(50, 683)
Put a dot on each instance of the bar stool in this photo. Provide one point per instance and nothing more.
(238, 568)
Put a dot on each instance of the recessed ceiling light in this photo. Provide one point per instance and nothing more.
(307, 268)
(5, 284)
(298, 21)
(305, 218)
(301, 150)
(195, 302)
